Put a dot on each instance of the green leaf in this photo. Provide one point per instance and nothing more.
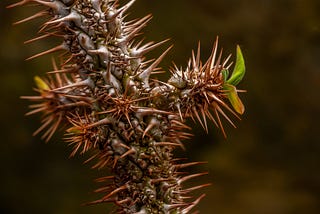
(234, 98)
(42, 85)
(239, 69)
(225, 74)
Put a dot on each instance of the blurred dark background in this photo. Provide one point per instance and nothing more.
(270, 164)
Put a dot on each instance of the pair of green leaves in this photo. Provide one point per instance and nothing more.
(230, 84)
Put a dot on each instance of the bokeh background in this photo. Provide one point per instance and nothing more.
(270, 164)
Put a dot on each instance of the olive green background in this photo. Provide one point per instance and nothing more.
(268, 165)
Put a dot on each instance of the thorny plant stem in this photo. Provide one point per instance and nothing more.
(102, 92)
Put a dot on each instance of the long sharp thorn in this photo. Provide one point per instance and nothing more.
(115, 161)
(149, 127)
(37, 38)
(184, 165)
(134, 33)
(91, 158)
(56, 6)
(33, 98)
(219, 122)
(211, 118)
(104, 121)
(126, 200)
(131, 151)
(179, 205)
(226, 61)
(36, 111)
(149, 48)
(72, 85)
(198, 55)
(43, 126)
(194, 188)
(99, 201)
(187, 210)
(181, 124)
(179, 110)
(195, 112)
(185, 178)
(204, 119)
(114, 192)
(212, 95)
(147, 72)
(57, 48)
(126, 7)
(55, 67)
(194, 64)
(139, 22)
(54, 128)
(167, 144)
(18, 3)
(217, 66)
(103, 179)
(39, 14)
(225, 116)
(213, 54)
(102, 189)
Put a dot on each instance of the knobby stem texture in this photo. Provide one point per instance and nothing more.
(102, 94)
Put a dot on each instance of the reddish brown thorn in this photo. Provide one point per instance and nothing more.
(119, 189)
(146, 73)
(224, 63)
(46, 121)
(181, 124)
(154, 181)
(174, 206)
(167, 144)
(185, 178)
(195, 112)
(151, 124)
(212, 118)
(186, 210)
(225, 116)
(57, 48)
(67, 70)
(102, 189)
(75, 149)
(127, 200)
(131, 151)
(91, 158)
(204, 119)
(178, 159)
(75, 104)
(99, 201)
(184, 165)
(19, 3)
(53, 129)
(36, 110)
(213, 54)
(186, 191)
(39, 14)
(33, 98)
(219, 122)
(37, 38)
(115, 161)
(148, 111)
(101, 163)
(135, 31)
(146, 48)
(103, 179)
